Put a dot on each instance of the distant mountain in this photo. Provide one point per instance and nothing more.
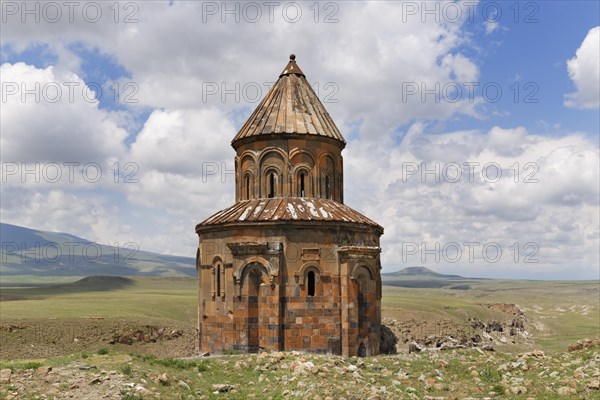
(421, 277)
(421, 272)
(27, 251)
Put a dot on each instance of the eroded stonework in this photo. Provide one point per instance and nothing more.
(289, 266)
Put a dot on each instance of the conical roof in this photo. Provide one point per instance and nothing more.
(290, 107)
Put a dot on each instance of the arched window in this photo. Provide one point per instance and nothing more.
(327, 187)
(218, 277)
(247, 187)
(302, 191)
(271, 185)
(311, 283)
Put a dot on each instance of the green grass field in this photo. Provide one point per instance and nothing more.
(170, 298)
(67, 323)
(559, 312)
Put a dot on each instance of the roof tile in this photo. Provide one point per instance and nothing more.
(290, 107)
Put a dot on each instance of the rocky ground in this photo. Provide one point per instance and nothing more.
(514, 328)
(433, 374)
(39, 338)
(147, 359)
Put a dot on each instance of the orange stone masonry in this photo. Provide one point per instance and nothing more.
(289, 266)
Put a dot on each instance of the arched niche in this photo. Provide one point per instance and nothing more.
(328, 179)
(365, 278)
(252, 276)
(248, 188)
(246, 175)
(272, 167)
(302, 181)
(218, 278)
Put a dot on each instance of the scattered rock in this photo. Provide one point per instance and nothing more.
(388, 342)
(43, 370)
(5, 375)
(184, 385)
(351, 368)
(594, 385)
(585, 344)
(518, 390)
(163, 380)
(533, 354)
(221, 387)
(565, 391)
(95, 381)
(414, 347)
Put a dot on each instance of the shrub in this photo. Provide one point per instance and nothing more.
(127, 370)
(499, 389)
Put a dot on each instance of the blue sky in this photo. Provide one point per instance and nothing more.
(162, 60)
(530, 47)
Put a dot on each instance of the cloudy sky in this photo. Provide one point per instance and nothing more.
(472, 127)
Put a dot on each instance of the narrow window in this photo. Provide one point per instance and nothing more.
(218, 281)
(311, 283)
(271, 185)
(247, 187)
(302, 185)
(327, 187)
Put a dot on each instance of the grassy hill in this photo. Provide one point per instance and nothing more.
(33, 253)
(421, 272)
(421, 277)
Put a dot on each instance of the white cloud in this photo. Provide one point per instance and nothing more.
(51, 115)
(183, 141)
(366, 59)
(584, 71)
(547, 194)
(369, 57)
(491, 26)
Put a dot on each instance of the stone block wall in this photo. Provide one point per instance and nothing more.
(269, 307)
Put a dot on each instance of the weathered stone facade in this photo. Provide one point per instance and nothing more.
(289, 266)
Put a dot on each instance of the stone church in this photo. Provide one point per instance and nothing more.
(289, 266)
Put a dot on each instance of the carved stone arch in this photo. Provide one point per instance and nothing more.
(322, 159)
(364, 275)
(237, 273)
(265, 278)
(247, 155)
(303, 156)
(356, 270)
(309, 266)
(268, 151)
(249, 268)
